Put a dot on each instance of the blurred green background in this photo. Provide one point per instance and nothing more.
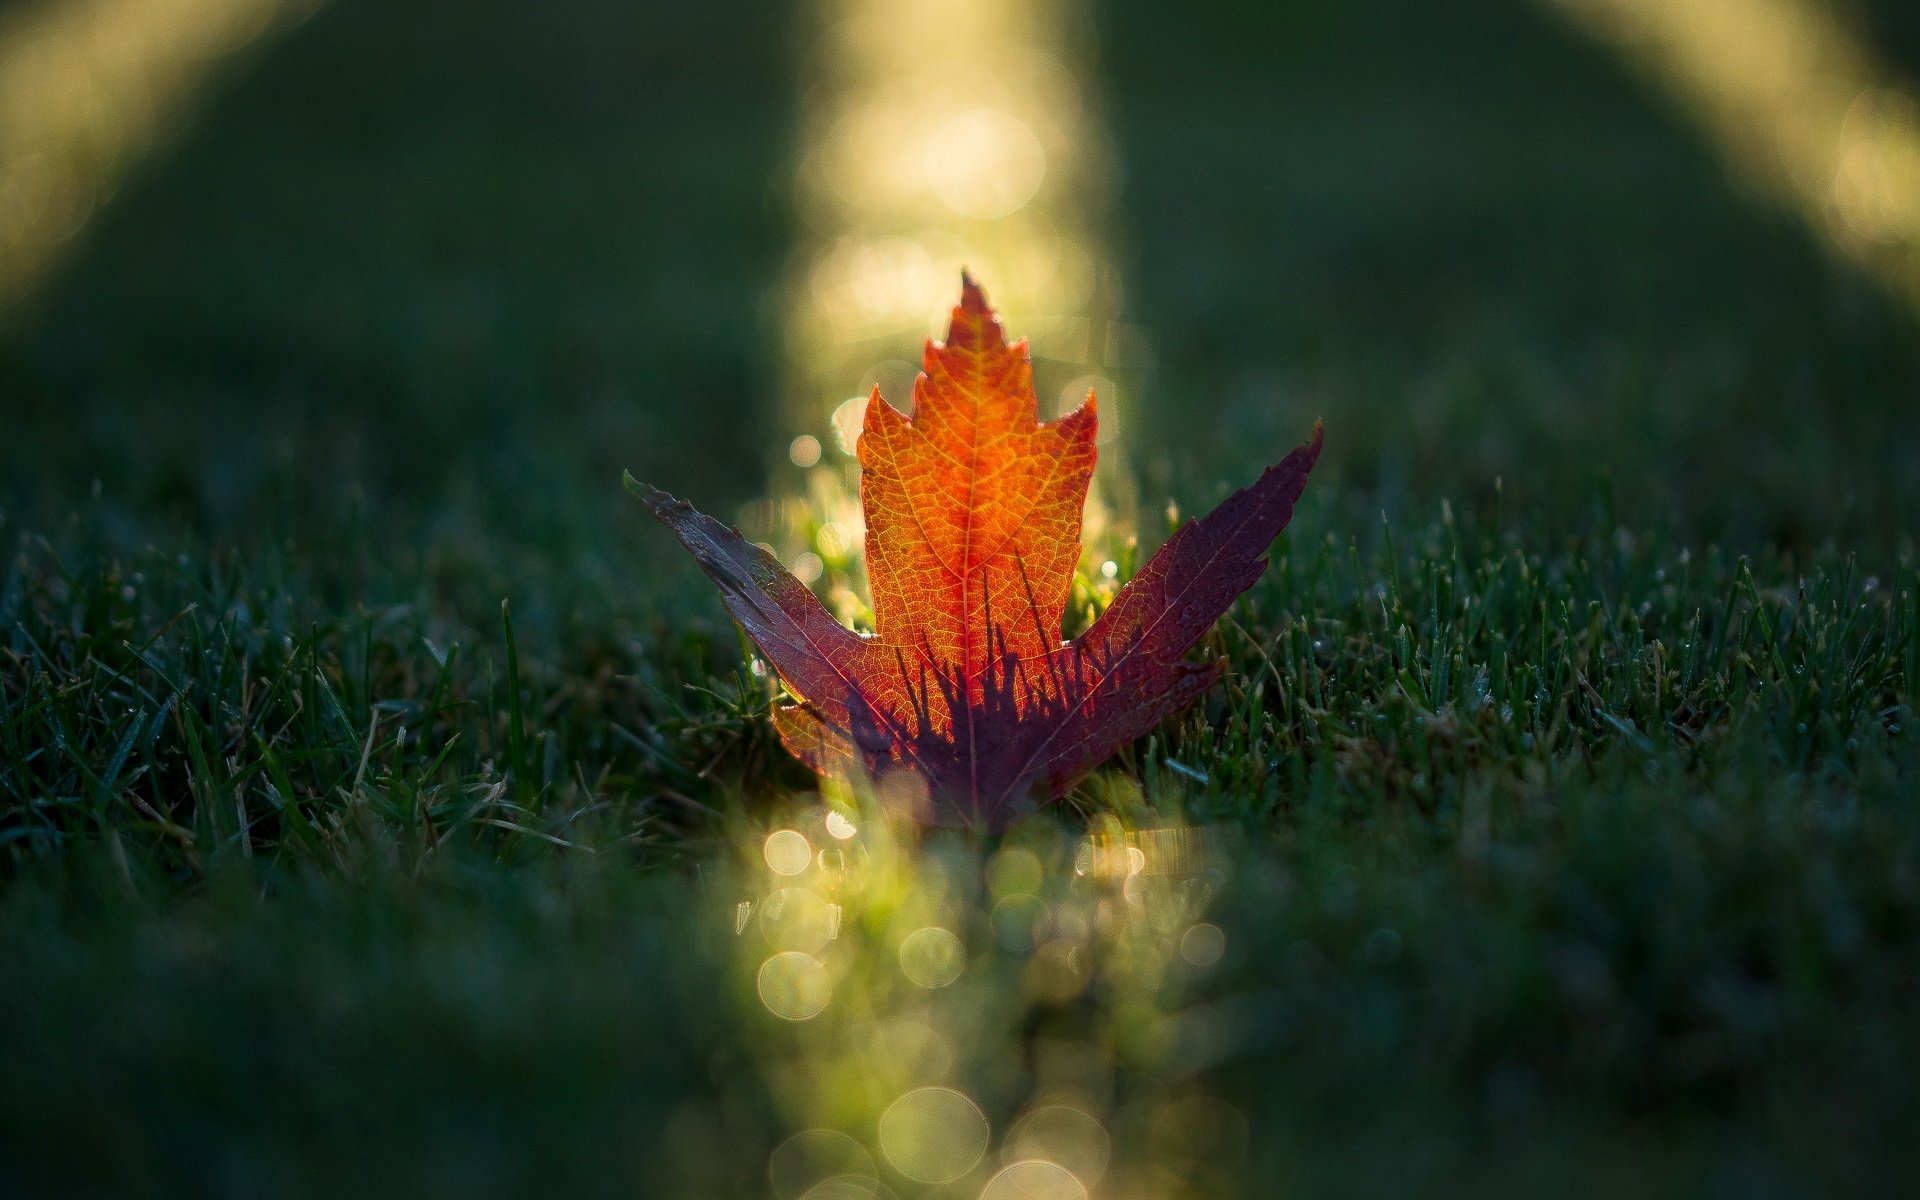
(459, 267)
(360, 349)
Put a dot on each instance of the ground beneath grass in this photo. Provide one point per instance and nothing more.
(1566, 766)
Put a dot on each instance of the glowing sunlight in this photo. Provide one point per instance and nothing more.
(1011, 1023)
(1798, 105)
(86, 87)
(936, 137)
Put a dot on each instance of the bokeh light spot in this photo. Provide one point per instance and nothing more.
(1107, 398)
(894, 378)
(813, 1158)
(1015, 871)
(932, 957)
(848, 421)
(804, 450)
(914, 1051)
(787, 852)
(1062, 1134)
(984, 163)
(1034, 1180)
(1013, 920)
(894, 276)
(832, 540)
(794, 986)
(933, 1135)
(903, 793)
(839, 826)
(796, 918)
(1203, 944)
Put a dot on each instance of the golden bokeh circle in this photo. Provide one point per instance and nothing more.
(787, 852)
(794, 986)
(1062, 1134)
(933, 1135)
(932, 957)
(816, 1158)
(797, 918)
(1034, 1179)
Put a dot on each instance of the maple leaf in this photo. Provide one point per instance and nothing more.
(973, 529)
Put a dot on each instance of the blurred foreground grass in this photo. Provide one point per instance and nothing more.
(1571, 733)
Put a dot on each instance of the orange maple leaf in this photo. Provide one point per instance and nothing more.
(973, 529)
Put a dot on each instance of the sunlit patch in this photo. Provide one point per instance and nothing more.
(933, 1135)
(932, 957)
(984, 163)
(1203, 944)
(787, 852)
(1034, 1180)
(794, 986)
(1065, 1135)
(914, 968)
(936, 137)
(894, 277)
(814, 1157)
(1798, 105)
(797, 918)
(1876, 184)
(87, 87)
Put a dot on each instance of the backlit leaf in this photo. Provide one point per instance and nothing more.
(973, 528)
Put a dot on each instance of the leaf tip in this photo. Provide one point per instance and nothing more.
(656, 500)
(973, 300)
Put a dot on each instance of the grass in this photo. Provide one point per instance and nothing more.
(1568, 744)
(1603, 855)
(207, 709)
